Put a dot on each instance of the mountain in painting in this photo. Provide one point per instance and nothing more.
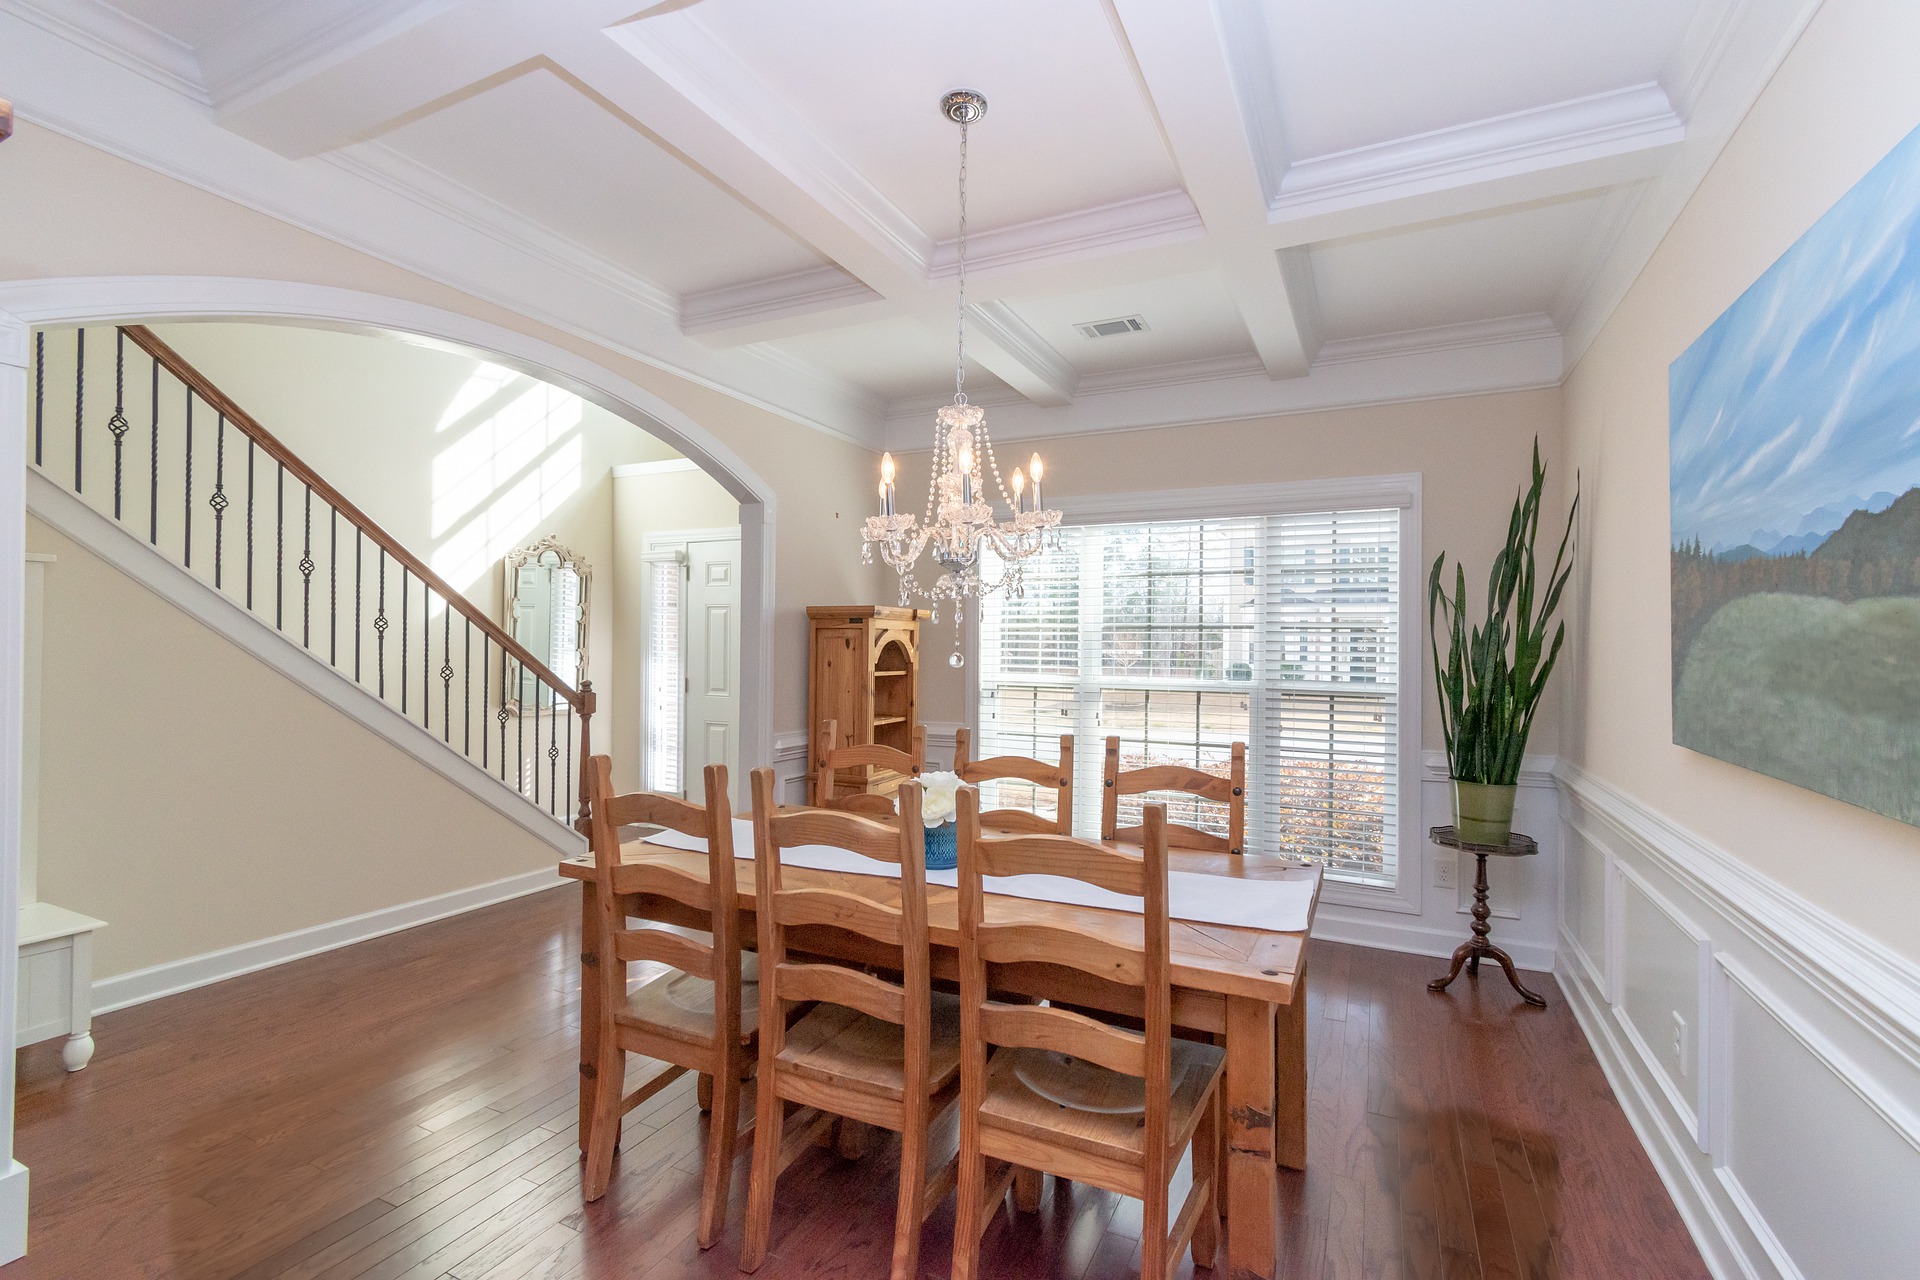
(1892, 533)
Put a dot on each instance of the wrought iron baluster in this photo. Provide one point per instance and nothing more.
(186, 517)
(333, 586)
(251, 447)
(570, 786)
(404, 572)
(485, 646)
(279, 547)
(520, 730)
(118, 424)
(466, 696)
(539, 695)
(380, 624)
(426, 654)
(501, 716)
(219, 499)
(39, 397)
(306, 567)
(358, 570)
(79, 397)
(446, 675)
(153, 482)
(553, 761)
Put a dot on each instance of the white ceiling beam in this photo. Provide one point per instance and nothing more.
(1008, 348)
(1197, 64)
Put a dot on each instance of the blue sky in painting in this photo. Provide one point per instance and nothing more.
(1806, 391)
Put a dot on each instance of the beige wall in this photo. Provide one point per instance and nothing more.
(642, 505)
(195, 799)
(1842, 99)
(1472, 453)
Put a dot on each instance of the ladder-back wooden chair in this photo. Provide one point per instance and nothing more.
(829, 759)
(880, 1052)
(1082, 1100)
(698, 1016)
(1230, 791)
(1057, 778)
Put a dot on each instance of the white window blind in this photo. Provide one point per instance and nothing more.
(664, 680)
(1181, 637)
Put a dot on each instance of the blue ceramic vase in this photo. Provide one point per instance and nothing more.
(943, 847)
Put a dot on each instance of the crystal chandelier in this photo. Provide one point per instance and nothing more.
(961, 521)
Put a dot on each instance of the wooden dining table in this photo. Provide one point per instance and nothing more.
(1244, 987)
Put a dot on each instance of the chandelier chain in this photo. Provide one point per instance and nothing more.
(960, 309)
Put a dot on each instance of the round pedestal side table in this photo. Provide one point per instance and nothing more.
(1477, 948)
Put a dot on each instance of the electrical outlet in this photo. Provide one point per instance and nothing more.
(1680, 1041)
(1444, 863)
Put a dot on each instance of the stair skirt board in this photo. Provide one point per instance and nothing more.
(76, 520)
(175, 976)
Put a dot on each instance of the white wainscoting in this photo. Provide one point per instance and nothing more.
(790, 765)
(1767, 1054)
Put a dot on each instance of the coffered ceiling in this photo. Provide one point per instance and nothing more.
(1306, 204)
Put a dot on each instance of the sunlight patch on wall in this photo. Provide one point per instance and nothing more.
(470, 471)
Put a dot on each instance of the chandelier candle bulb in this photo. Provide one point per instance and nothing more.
(1019, 497)
(1036, 469)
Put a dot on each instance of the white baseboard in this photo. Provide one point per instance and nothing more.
(1389, 932)
(76, 520)
(175, 976)
(13, 1212)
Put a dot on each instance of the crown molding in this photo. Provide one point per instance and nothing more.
(1514, 353)
(1140, 222)
(289, 38)
(121, 39)
(771, 298)
(1602, 125)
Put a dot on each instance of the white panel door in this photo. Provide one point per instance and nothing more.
(710, 621)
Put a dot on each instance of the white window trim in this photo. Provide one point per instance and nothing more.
(1356, 493)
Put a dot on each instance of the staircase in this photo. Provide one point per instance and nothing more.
(126, 428)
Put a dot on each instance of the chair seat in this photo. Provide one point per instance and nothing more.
(680, 1005)
(838, 1045)
(1063, 1100)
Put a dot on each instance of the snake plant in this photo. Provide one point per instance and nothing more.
(1494, 672)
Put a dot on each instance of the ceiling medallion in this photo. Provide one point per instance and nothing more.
(961, 521)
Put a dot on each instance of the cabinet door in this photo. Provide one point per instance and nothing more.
(840, 684)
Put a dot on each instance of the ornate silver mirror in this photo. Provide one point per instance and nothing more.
(546, 612)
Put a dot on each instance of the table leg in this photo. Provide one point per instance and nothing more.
(1290, 1062)
(1252, 1201)
(589, 1002)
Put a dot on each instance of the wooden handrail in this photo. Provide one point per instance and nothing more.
(177, 365)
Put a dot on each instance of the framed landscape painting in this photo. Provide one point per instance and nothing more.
(1795, 435)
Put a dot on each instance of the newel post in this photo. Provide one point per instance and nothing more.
(586, 751)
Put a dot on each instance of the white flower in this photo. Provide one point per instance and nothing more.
(939, 798)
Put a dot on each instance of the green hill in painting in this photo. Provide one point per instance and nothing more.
(1893, 534)
(1811, 691)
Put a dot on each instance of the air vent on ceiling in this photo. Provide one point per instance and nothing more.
(1112, 328)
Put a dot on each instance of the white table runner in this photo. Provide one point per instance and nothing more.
(1280, 905)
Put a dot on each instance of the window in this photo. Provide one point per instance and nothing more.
(1183, 636)
(663, 676)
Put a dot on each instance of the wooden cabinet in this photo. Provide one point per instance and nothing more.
(864, 672)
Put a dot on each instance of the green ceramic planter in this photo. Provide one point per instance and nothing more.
(1482, 812)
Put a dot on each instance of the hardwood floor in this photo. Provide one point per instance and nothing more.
(406, 1107)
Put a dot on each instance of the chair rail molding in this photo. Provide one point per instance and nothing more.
(1766, 1052)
